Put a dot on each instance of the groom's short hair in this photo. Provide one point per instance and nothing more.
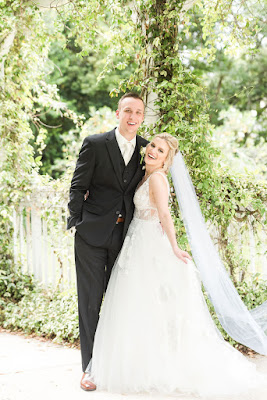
(130, 94)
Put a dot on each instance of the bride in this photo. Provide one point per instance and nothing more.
(155, 333)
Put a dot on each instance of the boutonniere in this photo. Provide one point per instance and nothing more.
(142, 154)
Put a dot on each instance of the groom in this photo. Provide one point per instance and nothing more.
(109, 169)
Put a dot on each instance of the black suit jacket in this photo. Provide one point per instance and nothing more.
(99, 170)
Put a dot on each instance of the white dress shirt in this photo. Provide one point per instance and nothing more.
(126, 147)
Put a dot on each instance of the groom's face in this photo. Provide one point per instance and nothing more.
(130, 115)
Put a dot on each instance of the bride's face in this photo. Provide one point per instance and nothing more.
(156, 153)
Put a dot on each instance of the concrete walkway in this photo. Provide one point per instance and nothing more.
(31, 369)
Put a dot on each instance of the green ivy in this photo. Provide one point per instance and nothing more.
(24, 44)
(52, 314)
(14, 285)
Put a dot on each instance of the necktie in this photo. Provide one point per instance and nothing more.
(127, 152)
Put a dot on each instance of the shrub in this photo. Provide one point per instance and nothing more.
(50, 314)
(14, 285)
(26, 306)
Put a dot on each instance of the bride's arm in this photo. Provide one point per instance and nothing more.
(159, 196)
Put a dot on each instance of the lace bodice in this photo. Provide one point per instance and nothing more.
(143, 208)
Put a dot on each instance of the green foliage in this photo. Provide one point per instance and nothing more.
(230, 25)
(6, 252)
(14, 285)
(24, 95)
(76, 78)
(237, 79)
(26, 306)
(239, 82)
(240, 141)
(101, 120)
(113, 47)
(50, 314)
(253, 293)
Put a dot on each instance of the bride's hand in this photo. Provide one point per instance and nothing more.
(182, 255)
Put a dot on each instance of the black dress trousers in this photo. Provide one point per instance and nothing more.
(93, 269)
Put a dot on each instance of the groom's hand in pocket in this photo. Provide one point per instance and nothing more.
(72, 230)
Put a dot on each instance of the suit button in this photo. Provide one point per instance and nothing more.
(117, 212)
(124, 180)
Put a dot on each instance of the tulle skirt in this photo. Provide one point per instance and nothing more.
(155, 333)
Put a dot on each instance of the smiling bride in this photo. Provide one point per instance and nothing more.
(155, 333)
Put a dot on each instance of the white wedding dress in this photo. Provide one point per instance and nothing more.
(155, 333)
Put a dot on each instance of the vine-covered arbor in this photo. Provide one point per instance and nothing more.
(147, 33)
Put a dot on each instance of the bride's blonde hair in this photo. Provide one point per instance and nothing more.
(173, 144)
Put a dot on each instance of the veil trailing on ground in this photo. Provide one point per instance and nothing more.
(246, 327)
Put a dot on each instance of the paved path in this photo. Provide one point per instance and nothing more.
(31, 369)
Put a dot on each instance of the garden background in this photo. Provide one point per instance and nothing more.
(201, 69)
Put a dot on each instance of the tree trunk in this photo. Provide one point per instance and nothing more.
(150, 95)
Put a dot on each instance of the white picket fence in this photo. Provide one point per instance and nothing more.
(43, 247)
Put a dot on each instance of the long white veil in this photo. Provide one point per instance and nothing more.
(242, 325)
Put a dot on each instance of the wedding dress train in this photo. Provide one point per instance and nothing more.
(155, 333)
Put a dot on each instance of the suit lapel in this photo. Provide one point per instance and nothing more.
(115, 155)
(139, 172)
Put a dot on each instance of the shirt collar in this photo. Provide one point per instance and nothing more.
(121, 139)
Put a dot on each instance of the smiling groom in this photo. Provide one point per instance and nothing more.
(108, 168)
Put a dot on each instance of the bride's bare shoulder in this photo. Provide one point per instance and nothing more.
(158, 180)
